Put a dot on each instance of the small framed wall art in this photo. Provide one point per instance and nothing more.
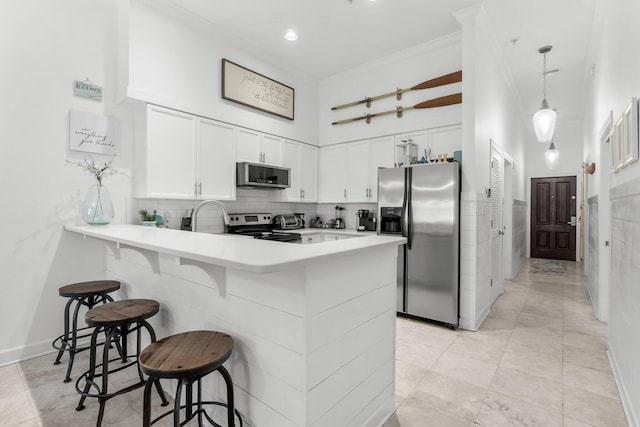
(246, 87)
(93, 133)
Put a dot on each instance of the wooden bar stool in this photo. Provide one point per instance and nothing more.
(188, 357)
(117, 320)
(87, 294)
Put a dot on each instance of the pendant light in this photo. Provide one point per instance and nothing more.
(544, 121)
(551, 156)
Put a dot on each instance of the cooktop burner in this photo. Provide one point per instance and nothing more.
(280, 237)
(260, 226)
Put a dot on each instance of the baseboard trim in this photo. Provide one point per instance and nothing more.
(632, 418)
(474, 324)
(20, 354)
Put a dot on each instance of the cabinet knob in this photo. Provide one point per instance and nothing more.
(345, 193)
(200, 188)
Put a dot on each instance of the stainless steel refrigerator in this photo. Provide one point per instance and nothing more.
(422, 203)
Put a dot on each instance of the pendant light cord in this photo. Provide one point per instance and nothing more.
(544, 76)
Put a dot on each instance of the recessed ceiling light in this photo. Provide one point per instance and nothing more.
(291, 35)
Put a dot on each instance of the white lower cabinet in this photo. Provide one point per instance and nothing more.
(188, 157)
(302, 159)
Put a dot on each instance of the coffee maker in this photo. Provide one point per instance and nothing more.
(300, 216)
(338, 221)
(366, 220)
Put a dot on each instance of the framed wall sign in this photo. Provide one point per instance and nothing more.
(246, 87)
(93, 133)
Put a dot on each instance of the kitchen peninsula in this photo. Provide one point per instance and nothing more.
(313, 324)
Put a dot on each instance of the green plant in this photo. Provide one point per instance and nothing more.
(146, 216)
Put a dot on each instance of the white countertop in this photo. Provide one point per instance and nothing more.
(239, 252)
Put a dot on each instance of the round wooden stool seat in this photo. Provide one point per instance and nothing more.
(79, 295)
(116, 320)
(187, 355)
(85, 289)
(122, 312)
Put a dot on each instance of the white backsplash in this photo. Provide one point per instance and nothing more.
(327, 211)
(247, 201)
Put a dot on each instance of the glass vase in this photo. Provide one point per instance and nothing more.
(97, 208)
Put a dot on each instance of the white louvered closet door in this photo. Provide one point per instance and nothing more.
(496, 223)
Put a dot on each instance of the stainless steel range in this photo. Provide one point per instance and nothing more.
(260, 226)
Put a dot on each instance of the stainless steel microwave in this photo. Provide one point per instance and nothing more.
(258, 175)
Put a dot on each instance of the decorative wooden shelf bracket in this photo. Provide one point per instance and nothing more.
(217, 274)
(152, 257)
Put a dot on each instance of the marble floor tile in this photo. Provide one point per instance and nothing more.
(418, 353)
(505, 411)
(593, 409)
(587, 359)
(588, 342)
(416, 411)
(537, 364)
(528, 388)
(485, 348)
(465, 368)
(408, 376)
(11, 381)
(532, 320)
(16, 409)
(536, 340)
(455, 396)
(590, 380)
(568, 422)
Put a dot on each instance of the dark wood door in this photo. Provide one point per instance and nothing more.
(553, 205)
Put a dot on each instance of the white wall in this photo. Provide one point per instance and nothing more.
(46, 46)
(615, 80)
(491, 112)
(401, 70)
(174, 59)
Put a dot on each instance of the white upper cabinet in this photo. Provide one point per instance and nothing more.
(359, 168)
(291, 160)
(189, 157)
(333, 178)
(171, 153)
(309, 173)
(216, 164)
(249, 146)
(381, 155)
(349, 172)
(271, 150)
(302, 159)
(256, 147)
(443, 140)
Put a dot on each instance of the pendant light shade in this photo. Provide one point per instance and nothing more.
(544, 121)
(551, 157)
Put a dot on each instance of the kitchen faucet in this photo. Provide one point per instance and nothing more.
(194, 219)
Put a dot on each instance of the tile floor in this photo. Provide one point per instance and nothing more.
(539, 360)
